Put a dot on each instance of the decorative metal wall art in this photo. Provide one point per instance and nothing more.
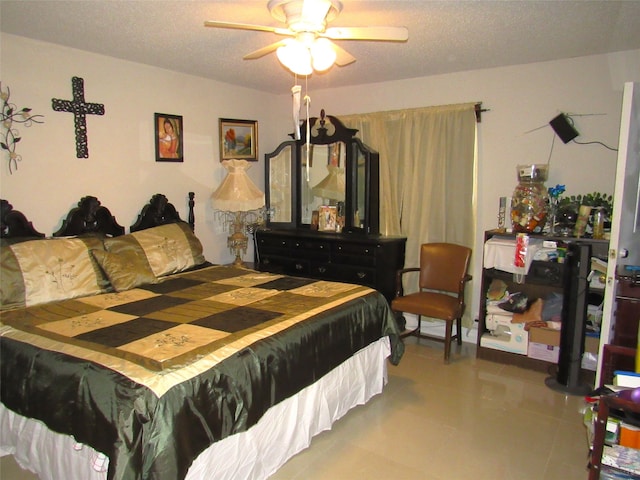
(9, 135)
(80, 109)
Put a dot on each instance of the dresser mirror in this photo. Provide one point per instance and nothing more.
(280, 194)
(334, 169)
(322, 179)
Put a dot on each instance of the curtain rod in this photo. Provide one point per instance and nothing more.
(479, 111)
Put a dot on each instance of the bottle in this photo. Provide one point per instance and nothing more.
(530, 199)
(598, 223)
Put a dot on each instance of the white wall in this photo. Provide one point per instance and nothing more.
(121, 170)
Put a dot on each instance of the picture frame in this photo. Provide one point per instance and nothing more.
(328, 218)
(169, 137)
(238, 139)
(315, 219)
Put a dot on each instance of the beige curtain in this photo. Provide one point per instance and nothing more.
(427, 165)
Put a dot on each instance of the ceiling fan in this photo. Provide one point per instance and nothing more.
(310, 46)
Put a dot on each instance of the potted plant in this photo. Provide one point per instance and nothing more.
(569, 205)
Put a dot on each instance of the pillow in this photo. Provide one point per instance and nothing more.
(164, 250)
(125, 270)
(45, 270)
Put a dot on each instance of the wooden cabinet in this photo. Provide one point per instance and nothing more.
(370, 260)
(543, 279)
(627, 316)
(606, 404)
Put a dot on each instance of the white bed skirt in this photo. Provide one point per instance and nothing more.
(285, 429)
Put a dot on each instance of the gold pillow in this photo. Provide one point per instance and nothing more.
(125, 270)
(166, 249)
(45, 270)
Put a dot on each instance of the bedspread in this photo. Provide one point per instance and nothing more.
(152, 376)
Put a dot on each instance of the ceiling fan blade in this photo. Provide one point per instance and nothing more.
(264, 50)
(387, 34)
(247, 26)
(342, 56)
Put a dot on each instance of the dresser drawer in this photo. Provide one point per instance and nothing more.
(275, 242)
(345, 273)
(354, 254)
(294, 247)
(285, 265)
(319, 250)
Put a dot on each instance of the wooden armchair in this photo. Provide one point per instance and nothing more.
(441, 283)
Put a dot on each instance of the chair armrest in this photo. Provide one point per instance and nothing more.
(463, 283)
(399, 274)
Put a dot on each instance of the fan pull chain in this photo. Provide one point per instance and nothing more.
(307, 101)
(295, 91)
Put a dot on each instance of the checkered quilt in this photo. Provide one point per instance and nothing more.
(116, 370)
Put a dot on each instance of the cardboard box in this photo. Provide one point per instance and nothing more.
(544, 344)
(548, 336)
(542, 351)
(591, 344)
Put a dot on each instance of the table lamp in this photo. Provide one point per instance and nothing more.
(238, 202)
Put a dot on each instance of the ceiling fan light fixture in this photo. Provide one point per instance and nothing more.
(305, 15)
(323, 54)
(295, 56)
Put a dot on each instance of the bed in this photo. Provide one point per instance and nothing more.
(130, 356)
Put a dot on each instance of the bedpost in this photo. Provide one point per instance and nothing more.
(190, 218)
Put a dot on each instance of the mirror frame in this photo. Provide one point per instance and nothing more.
(327, 130)
(293, 191)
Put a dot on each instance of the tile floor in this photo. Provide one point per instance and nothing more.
(471, 419)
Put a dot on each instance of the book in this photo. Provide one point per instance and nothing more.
(623, 378)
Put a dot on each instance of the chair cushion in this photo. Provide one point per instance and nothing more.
(428, 304)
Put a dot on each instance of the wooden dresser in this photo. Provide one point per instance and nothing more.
(370, 260)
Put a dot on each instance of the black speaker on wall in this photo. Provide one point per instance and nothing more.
(563, 128)
(577, 267)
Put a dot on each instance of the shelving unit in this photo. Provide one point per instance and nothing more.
(605, 405)
(543, 279)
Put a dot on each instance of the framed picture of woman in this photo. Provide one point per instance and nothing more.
(238, 139)
(169, 138)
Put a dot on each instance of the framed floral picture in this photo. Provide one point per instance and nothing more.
(169, 138)
(238, 139)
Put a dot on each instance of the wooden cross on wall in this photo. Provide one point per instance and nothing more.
(80, 109)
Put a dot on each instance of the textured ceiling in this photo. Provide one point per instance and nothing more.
(444, 36)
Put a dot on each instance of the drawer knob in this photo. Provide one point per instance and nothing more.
(284, 243)
(366, 250)
(299, 267)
